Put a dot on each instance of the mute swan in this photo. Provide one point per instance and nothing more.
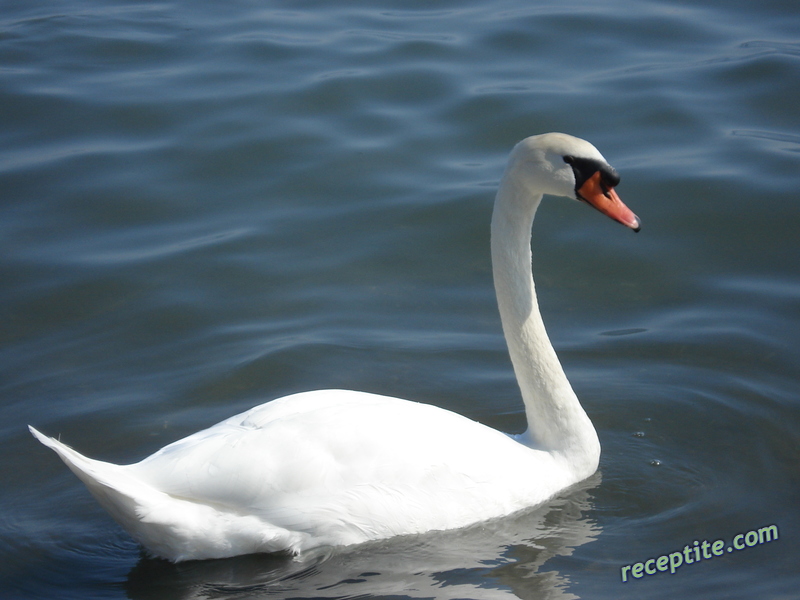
(335, 467)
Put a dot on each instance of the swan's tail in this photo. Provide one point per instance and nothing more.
(116, 491)
(129, 501)
(170, 527)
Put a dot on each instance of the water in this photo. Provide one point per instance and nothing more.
(204, 208)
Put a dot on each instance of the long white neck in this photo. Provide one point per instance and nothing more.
(556, 421)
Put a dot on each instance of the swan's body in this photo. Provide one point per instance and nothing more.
(336, 467)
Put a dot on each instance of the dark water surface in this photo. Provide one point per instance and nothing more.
(206, 207)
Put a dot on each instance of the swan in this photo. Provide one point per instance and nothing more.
(338, 467)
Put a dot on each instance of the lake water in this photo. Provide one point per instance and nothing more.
(204, 207)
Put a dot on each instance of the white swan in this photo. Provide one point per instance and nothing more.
(336, 467)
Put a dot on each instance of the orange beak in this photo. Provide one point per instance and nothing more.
(605, 199)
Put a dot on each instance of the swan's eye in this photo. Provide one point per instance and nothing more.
(586, 168)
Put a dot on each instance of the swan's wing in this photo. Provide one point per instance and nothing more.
(315, 469)
(348, 462)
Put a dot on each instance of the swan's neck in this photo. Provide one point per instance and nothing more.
(556, 421)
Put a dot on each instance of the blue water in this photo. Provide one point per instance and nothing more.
(206, 207)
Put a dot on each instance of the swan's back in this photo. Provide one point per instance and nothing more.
(320, 468)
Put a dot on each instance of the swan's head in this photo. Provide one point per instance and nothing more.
(563, 165)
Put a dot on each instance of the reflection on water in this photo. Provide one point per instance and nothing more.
(500, 559)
